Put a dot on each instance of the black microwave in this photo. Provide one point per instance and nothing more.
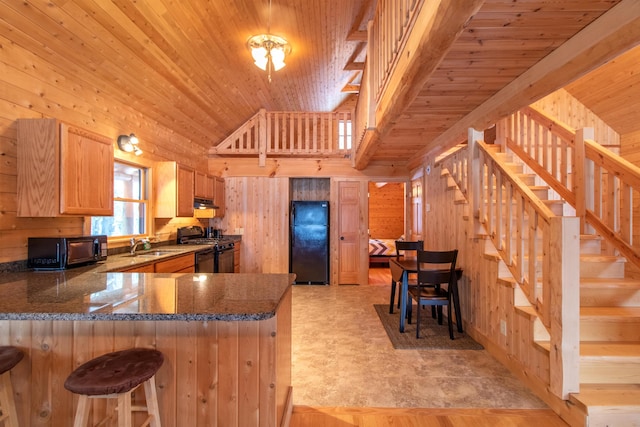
(59, 253)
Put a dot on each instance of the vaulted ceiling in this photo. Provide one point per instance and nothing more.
(185, 64)
(186, 67)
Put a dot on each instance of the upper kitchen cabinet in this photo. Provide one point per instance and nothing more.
(219, 197)
(174, 185)
(205, 186)
(63, 170)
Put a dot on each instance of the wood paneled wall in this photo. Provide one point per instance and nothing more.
(386, 210)
(258, 202)
(260, 207)
(567, 109)
(239, 377)
(32, 87)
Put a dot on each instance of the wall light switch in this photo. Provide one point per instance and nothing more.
(503, 327)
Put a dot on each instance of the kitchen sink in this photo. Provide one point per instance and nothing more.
(154, 253)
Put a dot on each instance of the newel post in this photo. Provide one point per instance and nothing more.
(583, 186)
(564, 355)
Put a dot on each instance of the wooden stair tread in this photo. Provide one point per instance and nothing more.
(602, 258)
(606, 395)
(596, 283)
(609, 349)
(602, 349)
(618, 313)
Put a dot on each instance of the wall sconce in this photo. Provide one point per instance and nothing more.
(129, 144)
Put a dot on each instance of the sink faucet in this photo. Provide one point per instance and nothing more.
(135, 242)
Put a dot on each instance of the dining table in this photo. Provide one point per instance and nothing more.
(400, 270)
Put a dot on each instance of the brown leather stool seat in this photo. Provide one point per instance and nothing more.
(9, 357)
(114, 375)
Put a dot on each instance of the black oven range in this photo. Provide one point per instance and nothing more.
(218, 258)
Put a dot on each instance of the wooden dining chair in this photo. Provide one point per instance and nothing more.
(402, 246)
(436, 280)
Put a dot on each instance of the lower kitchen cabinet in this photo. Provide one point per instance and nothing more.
(181, 264)
(147, 268)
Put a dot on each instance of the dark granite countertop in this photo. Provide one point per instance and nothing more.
(89, 293)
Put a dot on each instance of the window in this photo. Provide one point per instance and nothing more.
(344, 135)
(130, 203)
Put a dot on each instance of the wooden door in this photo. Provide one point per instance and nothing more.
(349, 221)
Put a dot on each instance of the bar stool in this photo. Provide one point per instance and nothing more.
(9, 357)
(117, 375)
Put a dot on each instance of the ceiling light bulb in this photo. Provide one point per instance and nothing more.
(133, 139)
(259, 55)
(277, 58)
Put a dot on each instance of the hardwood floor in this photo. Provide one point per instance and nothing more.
(522, 413)
(432, 417)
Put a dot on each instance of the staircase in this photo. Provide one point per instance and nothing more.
(609, 326)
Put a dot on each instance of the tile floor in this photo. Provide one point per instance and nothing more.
(342, 357)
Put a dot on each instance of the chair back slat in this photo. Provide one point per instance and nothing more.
(403, 245)
(437, 267)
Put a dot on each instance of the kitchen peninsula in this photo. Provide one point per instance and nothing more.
(226, 340)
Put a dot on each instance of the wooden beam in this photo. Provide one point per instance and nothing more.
(613, 33)
(436, 28)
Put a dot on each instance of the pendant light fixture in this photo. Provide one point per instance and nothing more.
(269, 51)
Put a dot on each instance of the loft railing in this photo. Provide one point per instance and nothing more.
(599, 184)
(537, 246)
(387, 34)
(278, 133)
(391, 25)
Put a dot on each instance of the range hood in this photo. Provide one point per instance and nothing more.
(199, 203)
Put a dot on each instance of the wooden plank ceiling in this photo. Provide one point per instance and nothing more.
(185, 65)
(498, 45)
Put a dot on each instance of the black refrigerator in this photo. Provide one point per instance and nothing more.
(309, 242)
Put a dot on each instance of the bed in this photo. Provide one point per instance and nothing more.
(380, 250)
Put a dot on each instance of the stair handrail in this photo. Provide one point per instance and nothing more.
(598, 183)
